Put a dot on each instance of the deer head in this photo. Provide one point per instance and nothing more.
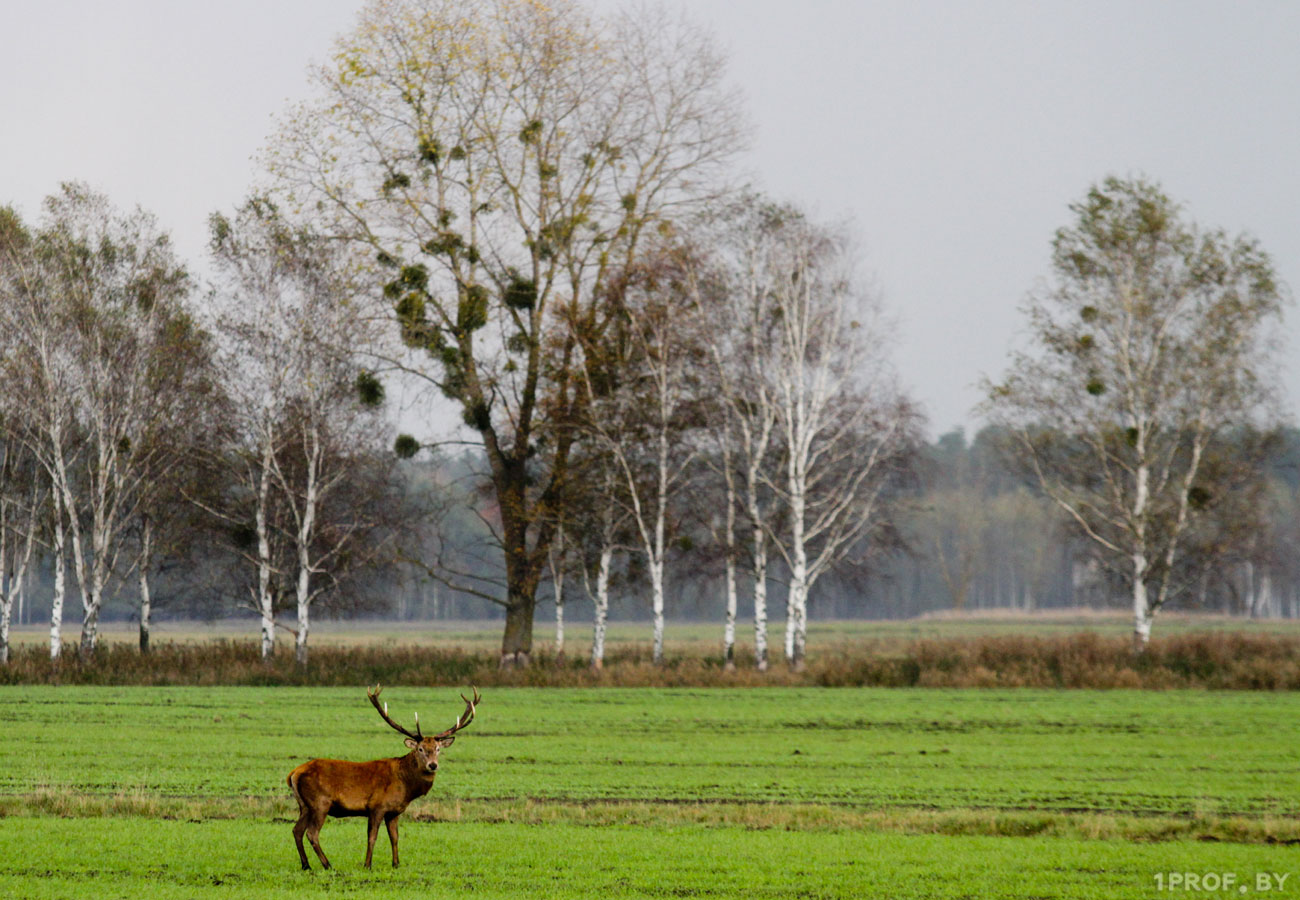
(426, 749)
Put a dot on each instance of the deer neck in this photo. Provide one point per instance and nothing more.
(414, 775)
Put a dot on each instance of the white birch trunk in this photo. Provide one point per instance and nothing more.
(801, 630)
(90, 616)
(304, 608)
(758, 561)
(265, 602)
(729, 626)
(15, 555)
(146, 602)
(306, 530)
(652, 533)
(657, 601)
(559, 627)
(6, 584)
(60, 582)
(1141, 609)
(556, 560)
(304, 630)
(729, 544)
(98, 581)
(657, 549)
(760, 599)
(559, 616)
(15, 560)
(602, 607)
(1142, 613)
(90, 611)
(91, 579)
(790, 603)
(796, 631)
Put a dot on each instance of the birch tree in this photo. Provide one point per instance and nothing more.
(729, 286)
(501, 157)
(846, 431)
(557, 563)
(40, 368)
(185, 401)
(23, 502)
(721, 439)
(820, 428)
(600, 592)
(639, 388)
(23, 493)
(598, 522)
(287, 310)
(99, 316)
(1152, 339)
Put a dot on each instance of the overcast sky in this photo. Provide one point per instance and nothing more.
(952, 134)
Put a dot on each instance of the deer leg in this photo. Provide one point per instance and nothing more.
(372, 831)
(298, 831)
(313, 835)
(391, 821)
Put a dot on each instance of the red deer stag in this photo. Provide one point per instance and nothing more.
(379, 790)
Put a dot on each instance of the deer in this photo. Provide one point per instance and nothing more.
(380, 790)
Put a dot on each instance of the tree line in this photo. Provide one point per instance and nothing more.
(531, 216)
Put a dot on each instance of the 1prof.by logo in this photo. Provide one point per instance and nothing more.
(1213, 882)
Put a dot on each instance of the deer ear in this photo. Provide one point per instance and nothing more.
(410, 744)
(446, 742)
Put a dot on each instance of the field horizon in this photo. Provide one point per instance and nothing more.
(678, 632)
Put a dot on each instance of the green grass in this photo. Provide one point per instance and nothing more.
(106, 859)
(1182, 753)
(179, 792)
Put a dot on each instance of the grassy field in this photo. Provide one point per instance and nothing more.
(130, 859)
(687, 637)
(179, 792)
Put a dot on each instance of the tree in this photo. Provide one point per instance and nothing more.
(823, 384)
(955, 524)
(305, 414)
(498, 158)
(603, 534)
(718, 454)
(638, 391)
(730, 285)
(40, 417)
(187, 397)
(1152, 339)
(101, 331)
(24, 489)
(23, 493)
(557, 565)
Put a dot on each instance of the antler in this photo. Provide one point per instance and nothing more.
(373, 694)
(466, 717)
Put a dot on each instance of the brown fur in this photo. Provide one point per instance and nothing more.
(380, 790)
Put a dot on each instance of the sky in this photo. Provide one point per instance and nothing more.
(952, 135)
